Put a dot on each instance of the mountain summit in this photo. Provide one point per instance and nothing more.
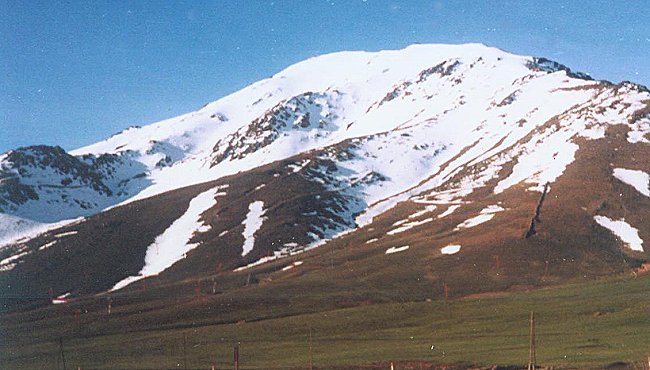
(465, 163)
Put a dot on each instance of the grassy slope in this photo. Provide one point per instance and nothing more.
(582, 325)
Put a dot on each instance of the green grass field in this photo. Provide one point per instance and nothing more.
(587, 325)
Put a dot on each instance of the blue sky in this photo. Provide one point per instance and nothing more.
(75, 72)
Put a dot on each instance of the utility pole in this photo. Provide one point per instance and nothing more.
(531, 345)
(62, 352)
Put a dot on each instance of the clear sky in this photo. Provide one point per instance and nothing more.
(75, 72)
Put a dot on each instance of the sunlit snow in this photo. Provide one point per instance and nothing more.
(449, 211)
(252, 223)
(173, 244)
(392, 250)
(628, 234)
(485, 215)
(450, 249)
(637, 179)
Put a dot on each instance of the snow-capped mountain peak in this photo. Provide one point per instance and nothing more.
(354, 137)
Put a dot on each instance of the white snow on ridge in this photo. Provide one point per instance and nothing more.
(485, 215)
(637, 179)
(252, 223)
(492, 209)
(542, 160)
(61, 235)
(639, 132)
(449, 211)
(427, 209)
(409, 225)
(10, 260)
(47, 245)
(289, 267)
(628, 234)
(450, 249)
(363, 78)
(18, 229)
(392, 250)
(62, 299)
(474, 221)
(173, 244)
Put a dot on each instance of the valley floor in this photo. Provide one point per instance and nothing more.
(582, 325)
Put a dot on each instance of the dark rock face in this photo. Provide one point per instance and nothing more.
(27, 161)
(547, 65)
(301, 113)
(58, 179)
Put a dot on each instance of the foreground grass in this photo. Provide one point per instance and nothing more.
(582, 326)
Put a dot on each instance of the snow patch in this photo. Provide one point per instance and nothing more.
(485, 215)
(450, 249)
(492, 209)
(628, 234)
(474, 221)
(16, 229)
(10, 260)
(297, 167)
(173, 244)
(61, 235)
(408, 226)
(449, 211)
(62, 299)
(392, 250)
(252, 223)
(427, 209)
(289, 267)
(47, 245)
(637, 179)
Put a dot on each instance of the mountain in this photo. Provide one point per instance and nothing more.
(463, 165)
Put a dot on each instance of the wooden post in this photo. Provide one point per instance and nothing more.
(185, 351)
(236, 356)
(311, 359)
(531, 346)
(497, 263)
(445, 289)
(62, 352)
(198, 290)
